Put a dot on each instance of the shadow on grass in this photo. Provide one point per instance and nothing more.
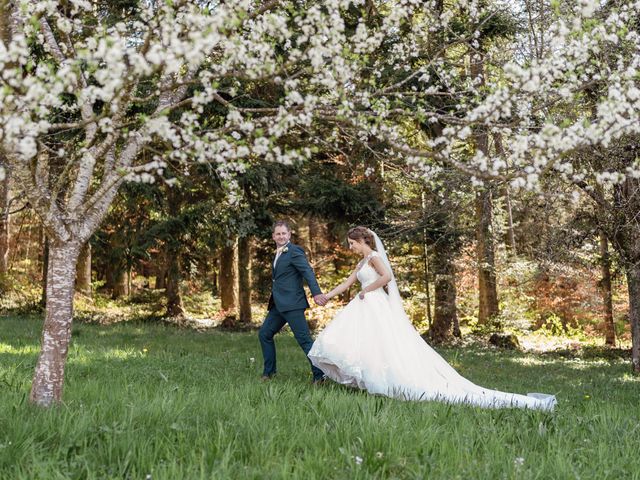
(590, 352)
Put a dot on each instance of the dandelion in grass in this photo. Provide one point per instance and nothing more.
(358, 460)
(379, 455)
(144, 350)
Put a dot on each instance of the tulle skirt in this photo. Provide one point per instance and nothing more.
(371, 346)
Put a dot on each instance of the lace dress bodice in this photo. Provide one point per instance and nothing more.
(366, 274)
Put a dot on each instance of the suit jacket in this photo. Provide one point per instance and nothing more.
(287, 289)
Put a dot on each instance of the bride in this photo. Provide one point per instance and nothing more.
(372, 345)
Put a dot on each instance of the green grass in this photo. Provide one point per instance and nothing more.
(190, 406)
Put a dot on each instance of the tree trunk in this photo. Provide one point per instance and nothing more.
(175, 308)
(45, 267)
(228, 295)
(121, 285)
(244, 280)
(427, 286)
(4, 220)
(605, 288)
(487, 289)
(625, 235)
(338, 261)
(317, 235)
(6, 18)
(425, 261)
(485, 256)
(511, 236)
(110, 276)
(303, 237)
(173, 259)
(456, 327)
(161, 269)
(445, 293)
(633, 281)
(83, 279)
(56, 334)
(215, 274)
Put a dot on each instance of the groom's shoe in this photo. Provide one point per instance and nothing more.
(266, 378)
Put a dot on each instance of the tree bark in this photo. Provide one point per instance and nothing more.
(487, 289)
(228, 282)
(338, 261)
(633, 281)
(5, 19)
(110, 275)
(445, 293)
(4, 219)
(161, 269)
(427, 286)
(45, 267)
(173, 251)
(485, 256)
(83, 279)
(605, 288)
(121, 285)
(303, 232)
(456, 327)
(244, 280)
(175, 308)
(511, 236)
(161, 278)
(624, 233)
(215, 274)
(425, 261)
(48, 379)
(317, 235)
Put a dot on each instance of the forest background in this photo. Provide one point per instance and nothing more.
(148, 148)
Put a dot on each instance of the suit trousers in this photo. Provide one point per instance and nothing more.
(273, 324)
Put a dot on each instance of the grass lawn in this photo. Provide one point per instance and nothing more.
(152, 401)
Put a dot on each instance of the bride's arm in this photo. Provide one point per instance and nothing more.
(383, 271)
(343, 286)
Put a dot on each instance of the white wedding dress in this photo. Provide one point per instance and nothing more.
(372, 345)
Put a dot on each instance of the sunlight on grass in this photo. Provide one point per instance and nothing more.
(22, 350)
(529, 361)
(152, 400)
(629, 378)
(88, 357)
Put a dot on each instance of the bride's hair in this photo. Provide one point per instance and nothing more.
(357, 233)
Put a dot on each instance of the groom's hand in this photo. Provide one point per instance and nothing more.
(321, 299)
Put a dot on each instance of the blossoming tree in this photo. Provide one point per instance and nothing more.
(571, 111)
(90, 100)
(85, 97)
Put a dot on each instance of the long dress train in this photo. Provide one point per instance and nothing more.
(373, 346)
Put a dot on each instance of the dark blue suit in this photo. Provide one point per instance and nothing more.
(287, 304)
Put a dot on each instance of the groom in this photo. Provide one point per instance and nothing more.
(288, 300)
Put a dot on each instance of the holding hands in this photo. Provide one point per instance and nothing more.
(321, 299)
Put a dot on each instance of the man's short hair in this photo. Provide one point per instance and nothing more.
(281, 223)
